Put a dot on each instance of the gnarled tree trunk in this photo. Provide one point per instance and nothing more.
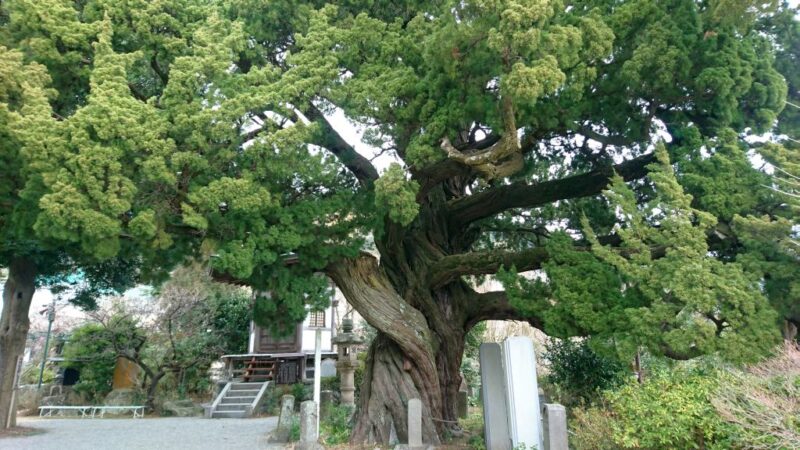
(417, 353)
(17, 295)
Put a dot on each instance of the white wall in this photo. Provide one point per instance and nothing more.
(309, 334)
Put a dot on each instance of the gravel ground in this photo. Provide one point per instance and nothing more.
(150, 434)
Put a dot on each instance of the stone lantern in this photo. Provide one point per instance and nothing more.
(346, 341)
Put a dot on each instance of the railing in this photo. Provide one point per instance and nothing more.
(210, 411)
(280, 368)
(258, 398)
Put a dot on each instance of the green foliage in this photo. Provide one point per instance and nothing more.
(90, 349)
(474, 428)
(294, 429)
(672, 411)
(660, 288)
(698, 406)
(301, 392)
(396, 195)
(470, 362)
(580, 374)
(336, 425)
(30, 374)
(589, 429)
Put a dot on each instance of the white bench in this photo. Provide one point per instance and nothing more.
(138, 411)
(91, 411)
(47, 411)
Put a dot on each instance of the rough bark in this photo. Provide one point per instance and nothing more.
(417, 354)
(14, 323)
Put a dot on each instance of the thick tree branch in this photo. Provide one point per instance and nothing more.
(329, 138)
(523, 195)
(494, 305)
(501, 159)
(451, 267)
(617, 141)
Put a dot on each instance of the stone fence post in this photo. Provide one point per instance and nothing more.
(555, 427)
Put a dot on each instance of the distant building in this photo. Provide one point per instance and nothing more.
(288, 359)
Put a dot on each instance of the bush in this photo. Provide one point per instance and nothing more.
(335, 425)
(30, 374)
(672, 411)
(590, 429)
(294, 430)
(578, 373)
(89, 350)
(764, 402)
(691, 406)
(301, 392)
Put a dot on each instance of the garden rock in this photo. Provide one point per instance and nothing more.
(181, 408)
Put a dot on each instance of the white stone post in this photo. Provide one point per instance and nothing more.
(524, 415)
(414, 424)
(493, 397)
(555, 427)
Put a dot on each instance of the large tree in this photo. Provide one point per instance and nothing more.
(189, 127)
(32, 262)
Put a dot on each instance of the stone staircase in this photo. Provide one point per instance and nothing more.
(238, 400)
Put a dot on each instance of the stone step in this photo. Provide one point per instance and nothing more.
(228, 414)
(243, 392)
(229, 400)
(233, 407)
(246, 386)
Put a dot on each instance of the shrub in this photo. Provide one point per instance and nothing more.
(301, 392)
(335, 425)
(578, 373)
(764, 402)
(473, 427)
(589, 429)
(691, 406)
(89, 350)
(669, 411)
(30, 374)
(294, 430)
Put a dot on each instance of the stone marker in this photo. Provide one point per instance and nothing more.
(462, 399)
(325, 402)
(524, 415)
(463, 404)
(493, 397)
(414, 423)
(281, 433)
(327, 368)
(555, 427)
(309, 433)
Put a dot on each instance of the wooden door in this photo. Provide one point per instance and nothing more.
(266, 343)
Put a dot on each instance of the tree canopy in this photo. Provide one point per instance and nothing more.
(157, 130)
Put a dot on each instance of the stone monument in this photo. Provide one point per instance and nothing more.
(493, 397)
(522, 392)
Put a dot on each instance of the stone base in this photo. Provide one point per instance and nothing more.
(407, 447)
(309, 446)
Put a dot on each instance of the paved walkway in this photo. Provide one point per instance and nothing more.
(156, 433)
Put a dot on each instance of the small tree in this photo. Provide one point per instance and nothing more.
(90, 350)
(190, 323)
